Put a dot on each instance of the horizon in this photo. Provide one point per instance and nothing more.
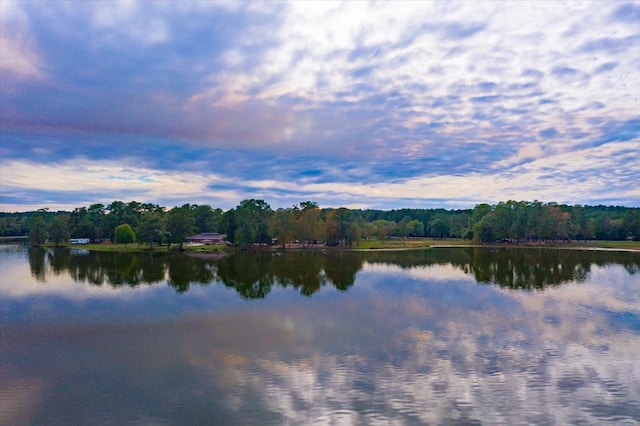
(168, 208)
(383, 105)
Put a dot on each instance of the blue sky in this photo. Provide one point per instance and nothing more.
(365, 105)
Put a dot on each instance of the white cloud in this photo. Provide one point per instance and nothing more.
(475, 86)
(19, 59)
(94, 179)
(545, 178)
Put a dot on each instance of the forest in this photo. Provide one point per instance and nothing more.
(253, 221)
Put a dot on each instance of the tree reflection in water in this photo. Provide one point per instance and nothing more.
(253, 275)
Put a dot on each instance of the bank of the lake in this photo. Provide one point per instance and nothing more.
(142, 248)
(391, 244)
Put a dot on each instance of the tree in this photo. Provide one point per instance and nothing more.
(150, 228)
(59, 229)
(383, 228)
(229, 225)
(341, 227)
(559, 222)
(403, 228)
(207, 219)
(38, 229)
(108, 225)
(252, 221)
(309, 225)
(459, 225)
(416, 228)
(124, 234)
(483, 230)
(246, 232)
(181, 224)
(503, 218)
(95, 214)
(439, 227)
(632, 224)
(282, 225)
(83, 224)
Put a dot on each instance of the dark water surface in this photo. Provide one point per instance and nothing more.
(437, 336)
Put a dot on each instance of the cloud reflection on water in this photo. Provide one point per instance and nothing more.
(434, 365)
(414, 342)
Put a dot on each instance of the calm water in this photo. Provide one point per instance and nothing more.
(438, 336)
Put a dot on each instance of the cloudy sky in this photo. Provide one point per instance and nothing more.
(381, 105)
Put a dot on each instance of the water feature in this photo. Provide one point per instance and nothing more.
(436, 336)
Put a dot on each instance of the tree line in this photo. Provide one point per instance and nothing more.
(253, 221)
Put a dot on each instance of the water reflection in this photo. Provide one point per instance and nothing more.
(253, 275)
(517, 268)
(401, 360)
(413, 341)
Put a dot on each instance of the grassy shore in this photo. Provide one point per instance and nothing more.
(139, 248)
(619, 245)
(413, 243)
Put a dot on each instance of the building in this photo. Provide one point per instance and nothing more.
(207, 238)
(79, 241)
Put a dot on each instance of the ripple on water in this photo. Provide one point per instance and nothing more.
(19, 398)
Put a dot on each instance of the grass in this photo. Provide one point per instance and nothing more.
(412, 243)
(626, 245)
(138, 248)
(395, 244)
(429, 242)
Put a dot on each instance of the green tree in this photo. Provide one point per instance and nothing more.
(309, 225)
(83, 224)
(124, 234)
(150, 228)
(229, 225)
(38, 229)
(181, 224)
(632, 224)
(282, 225)
(416, 228)
(579, 228)
(341, 227)
(384, 228)
(252, 222)
(206, 218)
(246, 232)
(503, 218)
(403, 229)
(535, 220)
(459, 225)
(59, 229)
(483, 229)
(439, 227)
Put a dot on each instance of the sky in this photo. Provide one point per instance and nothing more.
(378, 105)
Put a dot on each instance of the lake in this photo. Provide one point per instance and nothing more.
(435, 336)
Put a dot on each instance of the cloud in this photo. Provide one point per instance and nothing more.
(606, 67)
(19, 58)
(548, 133)
(627, 12)
(532, 173)
(375, 93)
(91, 181)
(611, 45)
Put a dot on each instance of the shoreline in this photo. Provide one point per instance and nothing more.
(364, 246)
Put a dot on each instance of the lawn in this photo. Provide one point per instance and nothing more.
(391, 244)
